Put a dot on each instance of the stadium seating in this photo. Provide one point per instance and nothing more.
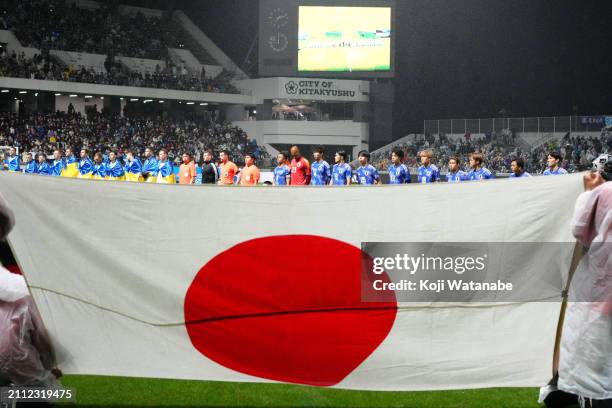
(42, 133)
(101, 31)
(49, 68)
(577, 151)
(129, 46)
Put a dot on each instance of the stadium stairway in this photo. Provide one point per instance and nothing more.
(13, 44)
(387, 148)
(206, 44)
(183, 56)
(80, 59)
(547, 138)
(523, 144)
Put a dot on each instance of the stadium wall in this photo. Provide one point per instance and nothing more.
(131, 10)
(307, 89)
(78, 59)
(13, 44)
(141, 64)
(126, 91)
(79, 104)
(208, 45)
(186, 57)
(354, 135)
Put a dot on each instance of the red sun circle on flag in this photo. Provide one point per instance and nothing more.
(287, 308)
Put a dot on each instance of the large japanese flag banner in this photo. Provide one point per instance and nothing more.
(265, 284)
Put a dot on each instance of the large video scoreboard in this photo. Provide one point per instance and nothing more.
(341, 38)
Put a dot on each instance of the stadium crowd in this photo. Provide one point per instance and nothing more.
(577, 152)
(182, 142)
(170, 77)
(45, 132)
(61, 25)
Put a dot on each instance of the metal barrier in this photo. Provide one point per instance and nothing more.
(549, 124)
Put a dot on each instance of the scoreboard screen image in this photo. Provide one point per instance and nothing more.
(344, 39)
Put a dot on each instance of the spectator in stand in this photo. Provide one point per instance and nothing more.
(187, 170)
(250, 175)
(300, 168)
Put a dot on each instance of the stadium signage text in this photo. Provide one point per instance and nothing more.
(599, 121)
(317, 88)
(593, 121)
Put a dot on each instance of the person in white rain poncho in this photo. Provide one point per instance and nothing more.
(26, 355)
(585, 365)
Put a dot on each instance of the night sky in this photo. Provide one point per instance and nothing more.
(471, 58)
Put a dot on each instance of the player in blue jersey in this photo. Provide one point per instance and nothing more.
(58, 165)
(518, 168)
(165, 174)
(554, 169)
(478, 172)
(42, 167)
(342, 172)
(99, 167)
(30, 164)
(150, 167)
(85, 166)
(11, 162)
(114, 169)
(282, 172)
(398, 172)
(455, 174)
(428, 173)
(71, 168)
(319, 169)
(133, 168)
(367, 175)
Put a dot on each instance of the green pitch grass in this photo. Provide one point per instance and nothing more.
(113, 391)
